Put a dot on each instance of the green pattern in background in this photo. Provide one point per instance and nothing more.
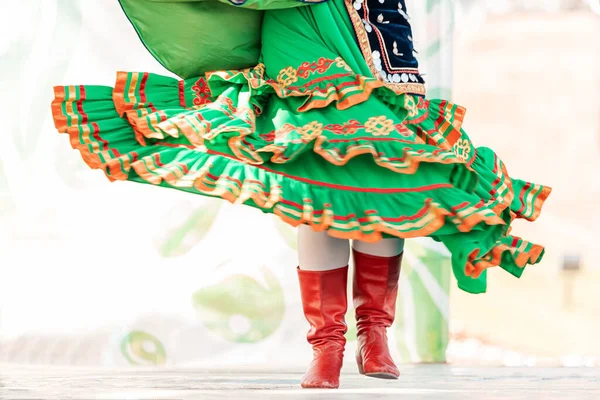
(422, 332)
(141, 348)
(351, 321)
(240, 309)
(184, 235)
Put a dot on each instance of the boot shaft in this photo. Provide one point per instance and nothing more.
(325, 302)
(375, 289)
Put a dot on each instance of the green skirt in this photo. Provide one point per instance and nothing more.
(311, 136)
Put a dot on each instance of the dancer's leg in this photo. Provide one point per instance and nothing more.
(382, 248)
(317, 251)
(374, 291)
(323, 276)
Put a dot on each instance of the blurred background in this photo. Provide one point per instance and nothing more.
(101, 274)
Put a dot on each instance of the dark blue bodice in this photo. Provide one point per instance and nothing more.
(387, 27)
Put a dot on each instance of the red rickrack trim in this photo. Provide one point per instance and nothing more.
(182, 93)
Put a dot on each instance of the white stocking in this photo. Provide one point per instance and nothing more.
(317, 251)
(382, 248)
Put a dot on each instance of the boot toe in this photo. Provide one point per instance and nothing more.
(320, 385)
(313, 382)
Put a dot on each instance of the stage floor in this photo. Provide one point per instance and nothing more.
(417, 382)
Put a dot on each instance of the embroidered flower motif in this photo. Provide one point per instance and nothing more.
(311, 130)
(287, 76)
(379, 126)
(202, 92)
(462, 149)
(411, 106)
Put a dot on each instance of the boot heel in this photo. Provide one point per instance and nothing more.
(359, 363)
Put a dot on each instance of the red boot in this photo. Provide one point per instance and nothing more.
(325, 302)
(375, 289)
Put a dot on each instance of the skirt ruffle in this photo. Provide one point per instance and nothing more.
(344, 154)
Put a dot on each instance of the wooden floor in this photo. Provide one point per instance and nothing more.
(419, 382)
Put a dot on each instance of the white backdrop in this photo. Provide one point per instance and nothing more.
(93, 273)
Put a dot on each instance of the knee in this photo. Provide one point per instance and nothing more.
(383, 248)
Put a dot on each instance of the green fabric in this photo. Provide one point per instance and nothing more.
(191, 37)
(310, 135)
(187, 37)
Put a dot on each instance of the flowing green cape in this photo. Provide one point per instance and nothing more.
(192, 37)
